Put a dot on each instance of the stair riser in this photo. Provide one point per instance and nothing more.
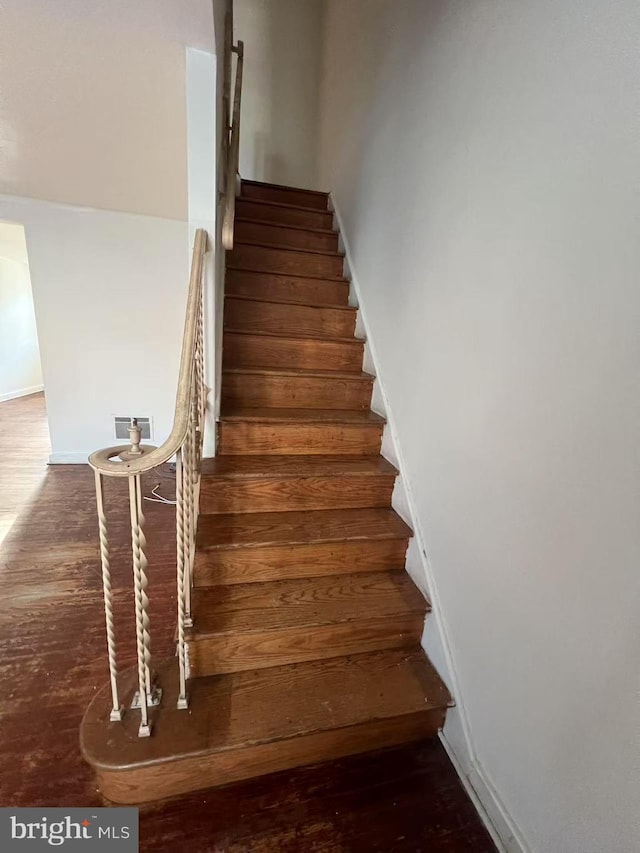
(280, 195)
(277, 494)
(256, 232)
(248, 257)
(271, 286)
(303, 354)
(283, 215)
(264, 438)
(302, 319)
(282, 562)
(258, 390)
(155, 782)
(260, 649)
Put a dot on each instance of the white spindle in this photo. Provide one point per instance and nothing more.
(144, 583)
(116, 708)
(181, 592)
(195, 474)
(141, 697)
(201, 390)
(187, 457)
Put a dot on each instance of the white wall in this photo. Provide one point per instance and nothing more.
(484, 160)
(279, 126)
(20, 371)
(94, 150)
(93, 101)
(109, 292)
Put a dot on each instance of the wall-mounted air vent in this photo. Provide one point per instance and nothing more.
(122, 425)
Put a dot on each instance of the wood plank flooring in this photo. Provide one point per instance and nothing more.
(52, 660)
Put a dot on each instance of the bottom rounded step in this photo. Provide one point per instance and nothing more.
(247, 724)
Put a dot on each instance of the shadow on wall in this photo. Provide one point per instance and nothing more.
(268, 165)
(280, 115)
(20, 370)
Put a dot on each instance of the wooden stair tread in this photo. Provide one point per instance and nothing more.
(309, 349)
(284, 211)
(287, 206)
(272, 224)
(330, 278)
(296, 466)
(338, 416)
(330, 292)
(284, 248)
(298, 432)
(304, 388)
(303, 603)
(248, 182)
(239, 710)
(295, 336)
(278, 483)
(302, 372)
(258, 529)
(305, 235)
(272, 301)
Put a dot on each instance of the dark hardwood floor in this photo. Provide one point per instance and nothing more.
(52, 659)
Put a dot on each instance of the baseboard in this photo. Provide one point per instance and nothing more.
(68, 458)
(483, 794)
(21, 392)
(500, 825)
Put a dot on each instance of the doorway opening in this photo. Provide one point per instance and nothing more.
(24, 430)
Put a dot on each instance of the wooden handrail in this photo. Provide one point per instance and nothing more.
(148, 457)
(233, 155)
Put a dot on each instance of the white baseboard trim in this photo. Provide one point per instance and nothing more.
(493, 813)
(483, 794)
(68, 458)
(21, 392)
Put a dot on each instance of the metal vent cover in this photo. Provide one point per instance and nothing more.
(122, 424)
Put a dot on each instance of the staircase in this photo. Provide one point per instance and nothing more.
(305, 643)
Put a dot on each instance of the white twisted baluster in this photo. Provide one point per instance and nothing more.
(116, 708)
(183, 701)
(202, 397)
(195, 478)
(144, 583)
(197, 377)
(145, 727)
(187, 457)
